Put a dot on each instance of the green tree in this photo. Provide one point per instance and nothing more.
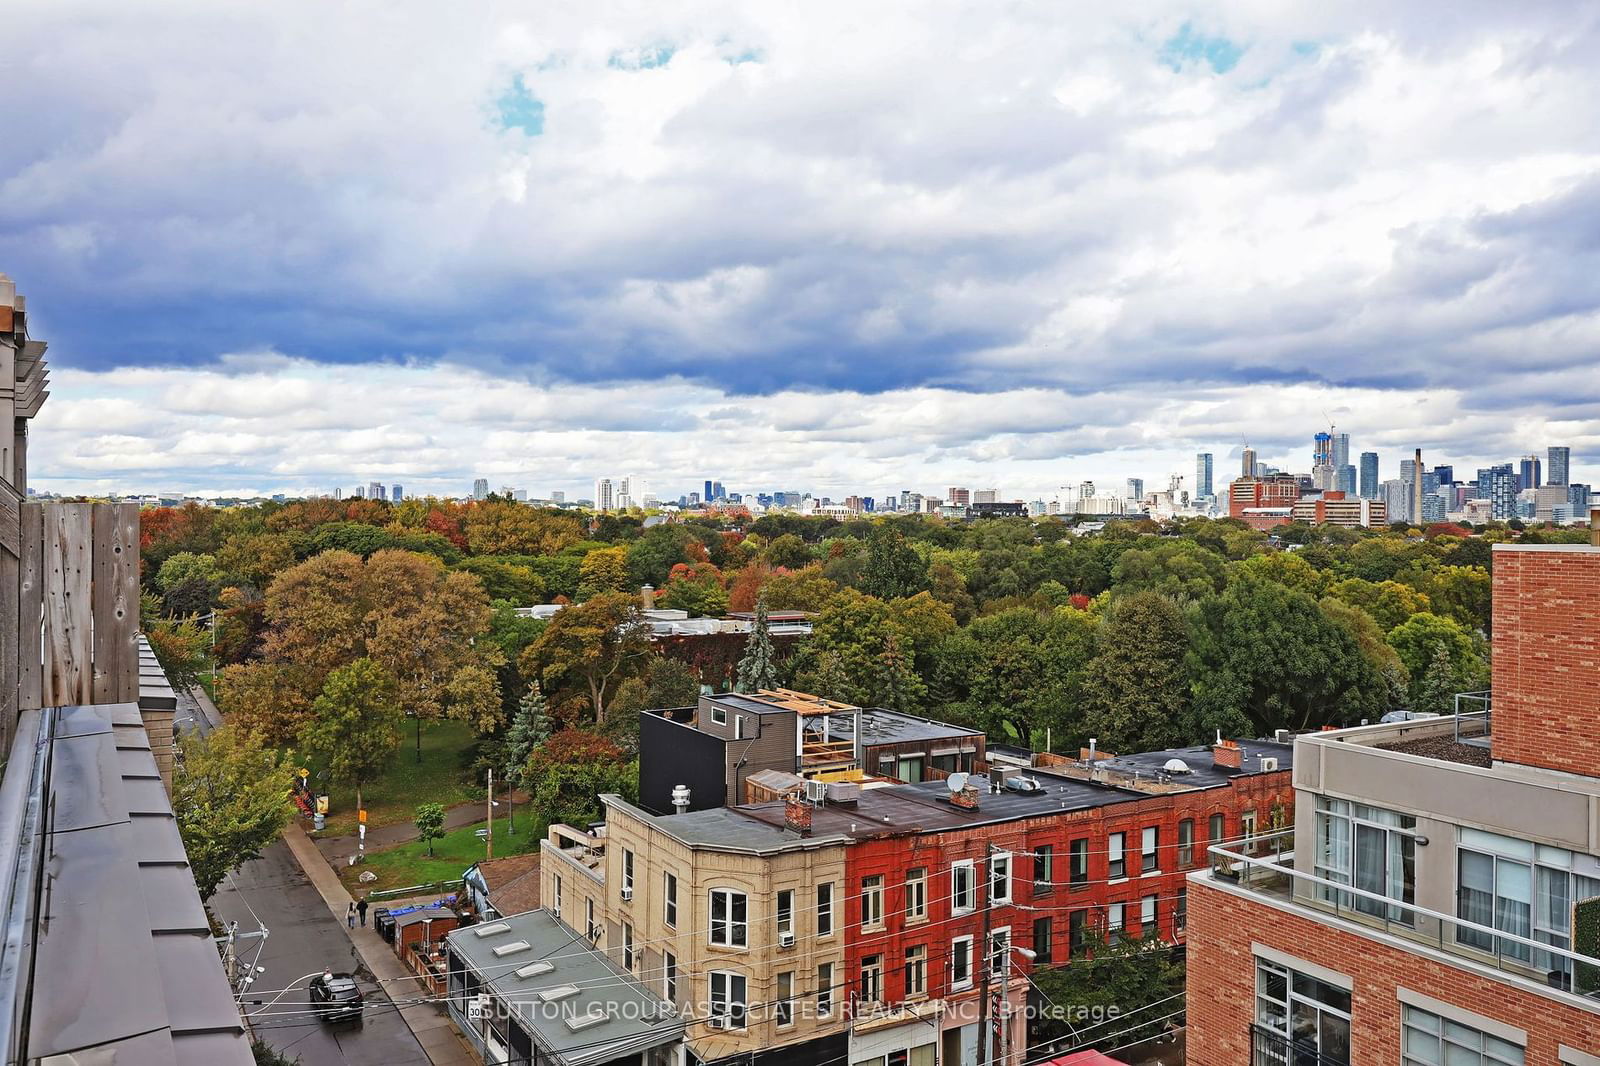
(1437, 688)
(589, 648)
(603, 570)
(189, 583)
(530, 727)
(1419, 641)
(789, 552)
(899, 687)
(1136, 688)
(231, 798)
(758, 669)
(182, 648)
(429, 821)
(1120, 975)
(893, 568)
(354, 731)
(1018, 672)
(570, 770)
(1174, 567)
(1266, 652)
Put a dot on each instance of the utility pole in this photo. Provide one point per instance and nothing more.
(488, 841)
(984, 959)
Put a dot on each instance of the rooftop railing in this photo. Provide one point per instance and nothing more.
(1572, 976)
(1472, 717)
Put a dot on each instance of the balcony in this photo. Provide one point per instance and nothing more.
(1268, 1047)
(1569, 976)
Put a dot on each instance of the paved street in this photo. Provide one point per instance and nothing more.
(305, 939)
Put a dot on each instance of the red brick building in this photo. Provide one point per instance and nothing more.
(1424, 908)
(1082, 850)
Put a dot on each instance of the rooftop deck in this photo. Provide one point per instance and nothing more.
(1264, 867)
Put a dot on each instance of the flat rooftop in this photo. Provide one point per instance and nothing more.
(1201, 761)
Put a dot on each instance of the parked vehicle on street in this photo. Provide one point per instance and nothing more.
(336, 997)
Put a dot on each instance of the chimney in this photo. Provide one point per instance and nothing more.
(647, 597)
(797, 814)
(966, 799)
(1227, 754)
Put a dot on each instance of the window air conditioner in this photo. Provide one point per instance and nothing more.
(786, 939)
(627, 893)
(717, 1021)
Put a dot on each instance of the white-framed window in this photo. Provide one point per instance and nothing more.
(669, 978)
(1000, 877)
(730, 927)
(1369, 848)
(1000, 952)
(961, 962)
(1520, 888)
(825, 909)
(1186, 843)
(917, 894)
(1044, 868)
(785, 913)
(1149, 857)
(1116, 862)
(719, 714)
(1147, 915)
(1247, 831)
(1312, 1013)
(669, 897)
(728, 999)
(871, 979)
(555, 904)
(872, 901)
(1429, 1040)
(738, 727)
(627, 872)
(916, 972)
(824, 989)
(963, 887)
(1115, 919)
(627, 946)
(783, 1009)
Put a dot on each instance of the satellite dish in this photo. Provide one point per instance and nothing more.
(956, 782)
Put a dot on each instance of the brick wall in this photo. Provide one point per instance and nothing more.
(1221, 988)
(1546, 658)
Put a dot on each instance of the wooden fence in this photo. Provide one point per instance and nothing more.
(70, 572)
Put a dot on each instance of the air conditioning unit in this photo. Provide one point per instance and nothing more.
(816, 791)
(627, 893)
(786, 939)
(1269, 763)
(717, 1021)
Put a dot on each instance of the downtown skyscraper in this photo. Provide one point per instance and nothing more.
(1202, 475)
(1369, 485)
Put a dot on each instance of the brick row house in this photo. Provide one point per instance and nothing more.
(1439, 891)
(844, 922)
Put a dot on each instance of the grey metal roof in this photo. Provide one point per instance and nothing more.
(880, 725)
(633, 1019)
(1203, 770)
(727, 828)
(155, 691)
(123, 965)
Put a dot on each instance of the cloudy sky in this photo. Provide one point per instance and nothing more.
(825, 245)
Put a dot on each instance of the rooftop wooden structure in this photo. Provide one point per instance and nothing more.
(69, 572)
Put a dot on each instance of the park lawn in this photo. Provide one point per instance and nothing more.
(395, 796)
(409, 864)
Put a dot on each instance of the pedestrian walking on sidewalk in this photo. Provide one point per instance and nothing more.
(350, 915)
(361, 909)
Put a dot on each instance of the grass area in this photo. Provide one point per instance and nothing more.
(394, 796)
(409, 864)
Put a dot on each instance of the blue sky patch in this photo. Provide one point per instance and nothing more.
(642, 59)
(1187, 46)
(519, 109)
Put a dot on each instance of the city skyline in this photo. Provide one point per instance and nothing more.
(697, 229)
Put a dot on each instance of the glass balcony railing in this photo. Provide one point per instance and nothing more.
(1265, 866)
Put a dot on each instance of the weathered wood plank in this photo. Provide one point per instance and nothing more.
(68, 624)
(30, 598)
(10, 567)
(116, 602)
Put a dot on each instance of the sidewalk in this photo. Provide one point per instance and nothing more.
(428, 1023)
